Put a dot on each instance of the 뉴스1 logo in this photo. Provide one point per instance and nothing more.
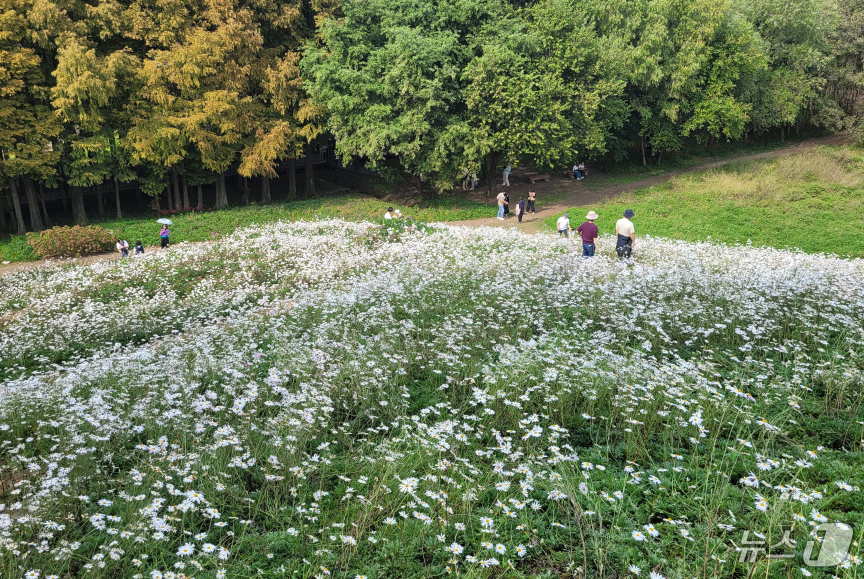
(834, 549)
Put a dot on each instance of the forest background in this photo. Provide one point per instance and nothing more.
(173, 95)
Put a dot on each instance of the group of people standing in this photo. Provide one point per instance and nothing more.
(625, 233)
(521, 208)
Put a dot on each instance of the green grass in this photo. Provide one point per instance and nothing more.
(207, 225)
(811, 201)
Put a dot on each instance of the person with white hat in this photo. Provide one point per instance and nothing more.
(589, 233)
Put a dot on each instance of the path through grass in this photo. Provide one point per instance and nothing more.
(811, 201)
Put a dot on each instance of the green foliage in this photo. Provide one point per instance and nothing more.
(16, 248)
(96, 91)
(391, 78)
(71, 241)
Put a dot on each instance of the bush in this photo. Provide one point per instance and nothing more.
(17, 249)
(71, 241)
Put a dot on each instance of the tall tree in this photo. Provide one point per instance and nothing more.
(846, 76)
(539, 90)
(28, 126)
(389, 73)
(796, 36)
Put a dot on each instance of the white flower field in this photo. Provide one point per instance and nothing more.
(350, 400)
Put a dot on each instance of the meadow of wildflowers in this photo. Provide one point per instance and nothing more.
(335, 399)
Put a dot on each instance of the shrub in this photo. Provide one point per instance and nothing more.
(71, 241)
(17, 249)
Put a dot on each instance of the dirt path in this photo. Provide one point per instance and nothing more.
(580, 195)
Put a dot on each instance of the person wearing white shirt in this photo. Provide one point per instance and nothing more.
(563, 225)
(626, 235)
(389, 214)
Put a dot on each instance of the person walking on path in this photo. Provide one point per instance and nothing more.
(532, 196)
(500, 199)
(589, 233)
(626, 235)
(506, 204)
(507, 169)
(520, 209)
(164, 234)
(563, 225)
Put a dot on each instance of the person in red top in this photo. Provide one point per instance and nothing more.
(589, 234)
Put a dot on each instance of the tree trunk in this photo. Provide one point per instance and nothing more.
(659, 156)
(178, 198)
(32, 204)
(168, 194)
(310, 172)
(3, 223)
(178, 204)
(100, 201)
(200, 197)
(221, 192)
(186, 193)
(245, 191)
(644, 160)
(265, 190)
(292, 180)
(117, 197)
(116, 154)
(158, 202)
(16, 205)
(66, 194)
(41, 191)
(491, 168)
(78, 206)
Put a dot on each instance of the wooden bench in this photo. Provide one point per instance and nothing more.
(534, 177)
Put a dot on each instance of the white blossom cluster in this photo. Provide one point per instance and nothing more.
(332, 398)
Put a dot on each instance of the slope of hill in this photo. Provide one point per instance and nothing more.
(351, 400)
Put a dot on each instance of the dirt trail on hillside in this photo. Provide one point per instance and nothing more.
(531, 223)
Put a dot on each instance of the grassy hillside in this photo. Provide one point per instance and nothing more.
(344, 400)
(812, 201)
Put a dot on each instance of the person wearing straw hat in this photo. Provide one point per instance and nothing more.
(626, 235)
(589, 233)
